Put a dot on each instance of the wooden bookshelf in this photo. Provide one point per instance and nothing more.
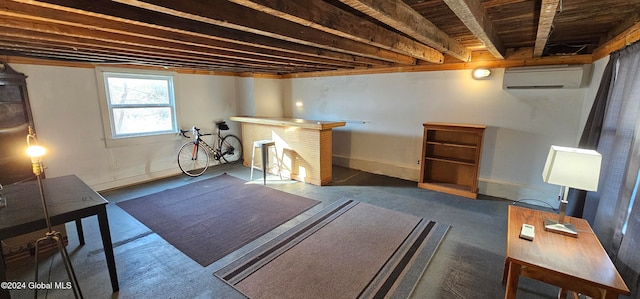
(451, 158)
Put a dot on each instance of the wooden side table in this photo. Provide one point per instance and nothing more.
(576, 264)
(68, 199)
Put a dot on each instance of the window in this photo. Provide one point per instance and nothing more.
(139, 104)
(136, 105)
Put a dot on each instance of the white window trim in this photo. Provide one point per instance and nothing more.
(106, 118)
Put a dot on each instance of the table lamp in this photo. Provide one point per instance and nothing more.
(570, 168)
(36, 152)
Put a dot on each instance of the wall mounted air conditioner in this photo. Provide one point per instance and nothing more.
(555, 76)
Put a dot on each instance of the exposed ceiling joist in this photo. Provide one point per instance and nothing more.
(473, 15)
(545, 22)
(628, 21)
(402, 17)
(113, 40)
(281, 38)
(224, 14)
(127, 20)
(82, 40)
(323, 16)
(128, 58)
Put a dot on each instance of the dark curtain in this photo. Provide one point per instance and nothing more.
(613, 129)
(619, 146)
(626, 245)
(591, 133)
(628, 260)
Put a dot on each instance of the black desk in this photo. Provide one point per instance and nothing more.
(68, 199)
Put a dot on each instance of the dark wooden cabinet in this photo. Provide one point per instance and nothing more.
(15, 118)
(451, 158)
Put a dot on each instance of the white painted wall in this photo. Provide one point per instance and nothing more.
(268, 97)
(598, 69)
(383, 135)
(385, 113)
(260, 97)
(66, 112)
(245, 96)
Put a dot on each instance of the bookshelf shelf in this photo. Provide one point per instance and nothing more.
(451, 158)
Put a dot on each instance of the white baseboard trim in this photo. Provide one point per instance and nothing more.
(133, 180)
(406, 172)
(518, 192)
(491, 187)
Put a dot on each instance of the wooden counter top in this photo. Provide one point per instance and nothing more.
(455, 125)
(290, 122)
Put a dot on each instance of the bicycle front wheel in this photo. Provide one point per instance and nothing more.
(193, 159)
(231, 149)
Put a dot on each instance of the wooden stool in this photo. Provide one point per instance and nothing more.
(264, 146)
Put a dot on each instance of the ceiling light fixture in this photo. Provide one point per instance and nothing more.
(481, 73)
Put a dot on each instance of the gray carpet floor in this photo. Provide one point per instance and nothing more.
(210, 219)
(326, 248)
(468, 264)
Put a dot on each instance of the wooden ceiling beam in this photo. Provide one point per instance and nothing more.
(105, 30)
(625, 38)
(140, 53)
(62, 52)
(474, 16)
(405, 19)
(545, 22)
(328, 18)
(231, 15)
(50, 52)
(121, 18)
(628, 22)
(116, 42)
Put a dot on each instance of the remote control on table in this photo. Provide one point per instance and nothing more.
(527, 232)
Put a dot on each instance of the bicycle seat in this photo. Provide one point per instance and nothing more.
(222, 125)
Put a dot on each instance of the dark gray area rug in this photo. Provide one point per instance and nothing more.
(348, 250)
(209, 219)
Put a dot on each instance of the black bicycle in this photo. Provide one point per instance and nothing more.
(194, 157)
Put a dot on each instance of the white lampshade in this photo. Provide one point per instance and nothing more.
(572, 167)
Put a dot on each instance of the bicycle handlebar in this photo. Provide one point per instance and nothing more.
(193, 129)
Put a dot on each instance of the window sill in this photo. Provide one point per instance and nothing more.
(133, 141)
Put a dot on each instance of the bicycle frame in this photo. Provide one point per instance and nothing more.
(194, 156)
(217, 154)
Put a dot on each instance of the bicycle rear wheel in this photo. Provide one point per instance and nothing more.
(231, 149)
(193, 159)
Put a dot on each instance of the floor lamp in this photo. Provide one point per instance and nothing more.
(36, 152)
(570, 168)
